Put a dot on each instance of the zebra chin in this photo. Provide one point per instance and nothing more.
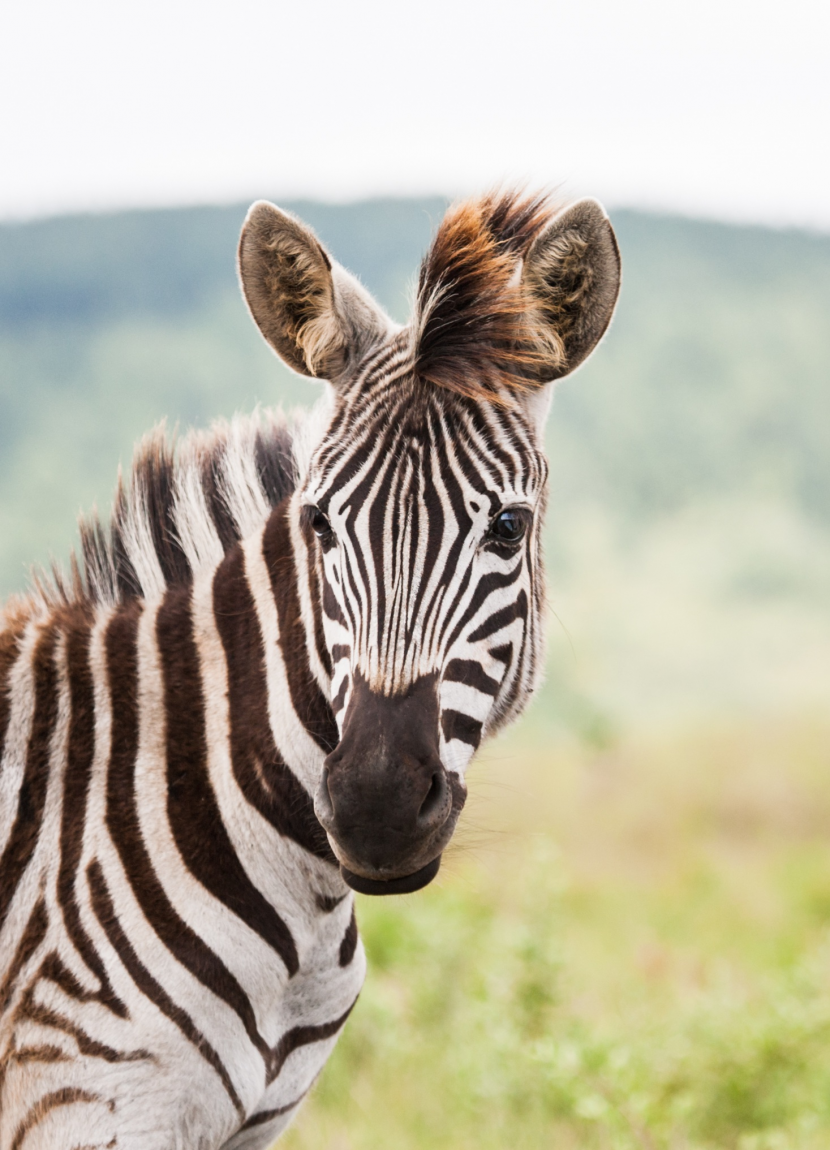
(404, 885)
(385, 799)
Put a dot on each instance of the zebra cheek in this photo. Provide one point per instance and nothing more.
(456, 757)
(464, 710)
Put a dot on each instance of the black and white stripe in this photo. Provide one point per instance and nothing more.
(410, 588)
(171, 918)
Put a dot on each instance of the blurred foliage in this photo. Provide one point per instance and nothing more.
(636, 959)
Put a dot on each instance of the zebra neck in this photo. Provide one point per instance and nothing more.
(261, 703)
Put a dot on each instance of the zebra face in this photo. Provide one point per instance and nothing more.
(424, 526)
(417, 517)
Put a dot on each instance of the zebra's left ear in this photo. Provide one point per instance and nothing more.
(572, 274)
(315, 315)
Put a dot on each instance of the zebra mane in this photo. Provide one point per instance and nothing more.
(478, 328)
(182, 509)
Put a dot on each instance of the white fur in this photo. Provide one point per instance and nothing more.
(194, 526)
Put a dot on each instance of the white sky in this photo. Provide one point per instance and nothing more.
(716, 107)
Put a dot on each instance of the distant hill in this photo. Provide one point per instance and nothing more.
(714, 380)
(94, 269)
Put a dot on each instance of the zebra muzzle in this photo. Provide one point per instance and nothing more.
(385, 800)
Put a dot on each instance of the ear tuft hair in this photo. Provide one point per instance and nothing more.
(513, 294)
(475, 327)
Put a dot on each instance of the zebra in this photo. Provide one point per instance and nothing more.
(258, 688)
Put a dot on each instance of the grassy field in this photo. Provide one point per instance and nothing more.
(629, 948)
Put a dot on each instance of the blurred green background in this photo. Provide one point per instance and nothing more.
(629, 945)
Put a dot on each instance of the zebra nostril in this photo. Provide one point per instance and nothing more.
(323, 807)
(436, 806)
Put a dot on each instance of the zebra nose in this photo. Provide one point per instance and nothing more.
(432, 813)
(384, 797)
(435, 809)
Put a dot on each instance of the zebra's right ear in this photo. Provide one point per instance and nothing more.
(315, 315)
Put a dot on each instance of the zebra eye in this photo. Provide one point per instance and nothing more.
(510, 525)
(319, 524)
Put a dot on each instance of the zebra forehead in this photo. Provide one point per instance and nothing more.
(428, 434)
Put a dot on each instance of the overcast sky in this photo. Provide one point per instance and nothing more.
(717, 107)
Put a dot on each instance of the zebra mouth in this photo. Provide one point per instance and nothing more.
(405, 885)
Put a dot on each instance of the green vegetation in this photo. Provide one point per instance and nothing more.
(632, 955)
(630, 945)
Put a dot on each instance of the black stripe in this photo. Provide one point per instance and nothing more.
(331, 607)
(388, 491)
(348, 944)
(478, 415)
(308, 701)
(464, 525)
(502, 618)
(327, 902)
(314, 579)
(192, 808)
(519, 680)
(44, 1106)
(276, 468)
(340, 698)
(30, 940)
(32, 794)
(88, 1046)
(302, 1036)
(383, 463)
(435, 523)
(269, 1115)
(54, 969)
(104, 910)
(472, 674)
(478, 467)
(9, 651)
(80, 751)
(507, 424)
(214, 488)
(263, 776)
(355, 624)
(124, 828)
(456, 725)
(491, 582)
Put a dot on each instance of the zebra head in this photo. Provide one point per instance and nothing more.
(417, 519)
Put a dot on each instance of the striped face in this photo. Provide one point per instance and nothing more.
(421, 512)
(421, 503)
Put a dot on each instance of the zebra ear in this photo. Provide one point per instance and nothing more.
(315, 315)
(572, 273)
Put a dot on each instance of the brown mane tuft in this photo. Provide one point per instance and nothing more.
(478, 330)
